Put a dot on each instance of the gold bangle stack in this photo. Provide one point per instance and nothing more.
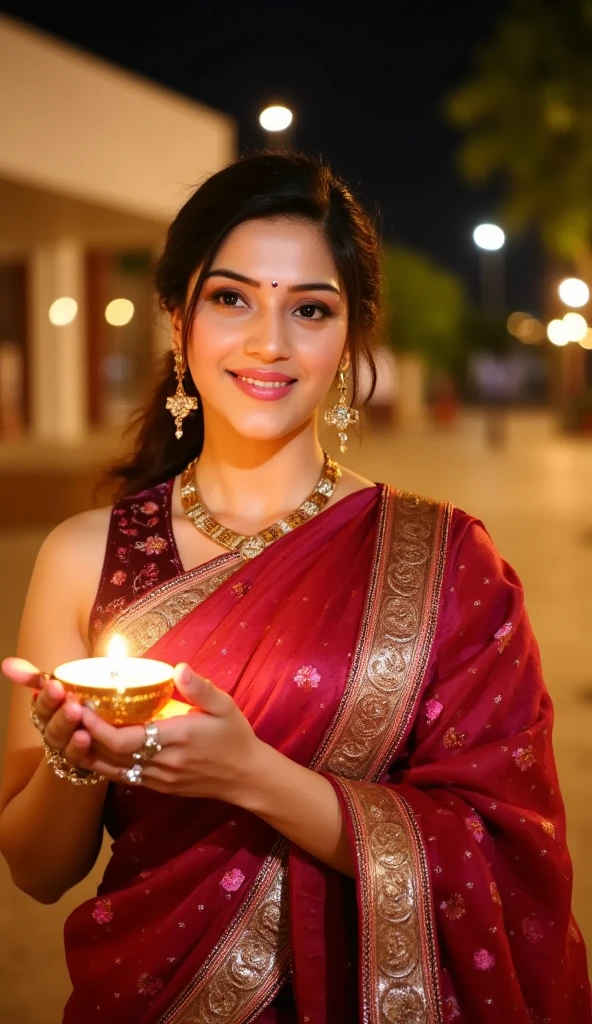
(56, 760)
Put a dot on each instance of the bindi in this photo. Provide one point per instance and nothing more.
(274, 284)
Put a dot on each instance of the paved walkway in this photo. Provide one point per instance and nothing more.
(535, 498)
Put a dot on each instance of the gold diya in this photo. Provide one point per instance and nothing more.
(121, 690)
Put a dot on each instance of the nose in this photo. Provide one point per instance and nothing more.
(269, 340)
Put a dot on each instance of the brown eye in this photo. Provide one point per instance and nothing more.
(310, 310)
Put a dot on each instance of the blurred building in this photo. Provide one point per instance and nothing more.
(94, 162)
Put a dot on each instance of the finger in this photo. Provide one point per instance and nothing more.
(77, 748)
(50, 698)
(201, 692)
(62, 725)
(152, 776)
(113, 741)
(22, 672)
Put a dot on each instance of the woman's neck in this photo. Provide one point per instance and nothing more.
(258, 481)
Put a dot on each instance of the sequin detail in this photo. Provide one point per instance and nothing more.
(453, 739)
(533, 929)
(483, 960)
(475, 825)
(148, 985)
(524, 757)
(307, 677)
(433, 709)
(494, 893)
(240, 589)
(503, 636)
(453, 907)
(548, 827)
(232, 880)
(102, 912)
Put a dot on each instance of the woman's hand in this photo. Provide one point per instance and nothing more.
(60, 717)
(210, 752)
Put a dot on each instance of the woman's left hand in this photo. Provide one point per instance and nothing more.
(205, 753)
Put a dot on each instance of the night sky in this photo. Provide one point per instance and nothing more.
(366, 86)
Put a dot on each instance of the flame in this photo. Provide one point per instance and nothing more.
(116, 648)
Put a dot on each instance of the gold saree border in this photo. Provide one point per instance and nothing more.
(397, 935)
(246, 969)
(145, 621)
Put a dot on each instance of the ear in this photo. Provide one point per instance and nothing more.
(345, 362)
(177, 329)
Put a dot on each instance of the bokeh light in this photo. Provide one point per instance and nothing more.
(119, 312)
(575, 326)
(489, 236)
(574, 292)
(63, 311)
(275, 119)
(514, 320)
(557, 332)
(586, 341)
(530, 331)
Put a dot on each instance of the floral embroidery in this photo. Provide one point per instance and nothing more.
(452, 738)
(147, 577)
(503, 636)
(148, 985)
(232, 880)
(524, 757)
(532, 928)
(475, 825)
(307, 677)
(240, 588)
(494, 893)
(433, 709)
(453, 907)
(122, 554)
(102, 912)
(548, 827)
(153, 521)
(152, 545)
(451, 1009)
(483, 960)
(149, 508)
(119, 577)
(115, 606)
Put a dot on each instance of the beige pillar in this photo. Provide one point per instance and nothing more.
(58, 353)
(411, 407)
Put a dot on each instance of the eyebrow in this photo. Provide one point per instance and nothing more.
(232, 275)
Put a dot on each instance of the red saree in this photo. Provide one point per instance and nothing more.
(385, 644)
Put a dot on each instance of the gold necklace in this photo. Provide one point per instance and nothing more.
(250, 547)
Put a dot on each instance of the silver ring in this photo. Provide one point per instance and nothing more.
(134, 775)
(151, 745)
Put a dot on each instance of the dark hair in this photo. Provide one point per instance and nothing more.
(262, 185)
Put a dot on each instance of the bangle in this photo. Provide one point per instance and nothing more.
(64, 770)
(57, 761)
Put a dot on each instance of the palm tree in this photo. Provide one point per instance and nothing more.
(526, 116)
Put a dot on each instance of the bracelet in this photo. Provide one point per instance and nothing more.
(62, 768)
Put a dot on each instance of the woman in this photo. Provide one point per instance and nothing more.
(359, 818)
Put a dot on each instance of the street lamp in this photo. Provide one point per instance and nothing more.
(275, 120)
(574, 292)
(490, 239)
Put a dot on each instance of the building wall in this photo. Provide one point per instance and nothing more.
(77, 125)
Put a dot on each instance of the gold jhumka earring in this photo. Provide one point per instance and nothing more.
(342, 415)
(180, 404)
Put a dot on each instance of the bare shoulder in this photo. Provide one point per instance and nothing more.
(74, 552)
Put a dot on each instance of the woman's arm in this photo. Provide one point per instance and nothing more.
(50, 830)
(301, 804)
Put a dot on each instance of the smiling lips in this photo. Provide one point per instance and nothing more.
(268, 385)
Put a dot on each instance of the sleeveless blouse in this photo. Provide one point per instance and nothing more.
(141, 553)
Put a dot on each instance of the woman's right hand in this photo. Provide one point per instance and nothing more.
(59, 715)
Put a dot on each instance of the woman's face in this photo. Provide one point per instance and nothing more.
(269, 330)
